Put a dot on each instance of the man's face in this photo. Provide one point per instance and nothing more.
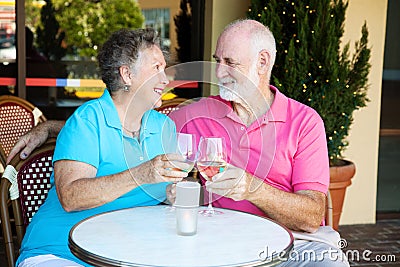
(150, 78)
(236, 70)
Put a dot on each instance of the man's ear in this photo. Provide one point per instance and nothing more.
(263, 62)
(125, 73)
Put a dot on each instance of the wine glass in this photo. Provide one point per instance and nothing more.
(211, 160)
(185, 146)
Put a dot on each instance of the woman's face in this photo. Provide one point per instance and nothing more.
(150, 79)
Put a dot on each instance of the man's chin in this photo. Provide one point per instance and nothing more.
(227, 94)
(229, 97)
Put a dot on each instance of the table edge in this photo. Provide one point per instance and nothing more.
(100, 261)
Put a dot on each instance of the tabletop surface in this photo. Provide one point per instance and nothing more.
(146, 236)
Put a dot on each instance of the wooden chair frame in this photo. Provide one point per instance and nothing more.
(17, 205)
(329, 210)
(3, 157)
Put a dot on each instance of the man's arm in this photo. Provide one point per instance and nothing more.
(301, 211)
(35, 138)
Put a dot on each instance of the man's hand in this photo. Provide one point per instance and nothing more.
(233, 183)
(171, 194)
(35, 138)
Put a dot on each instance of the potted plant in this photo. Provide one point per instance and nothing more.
(312, 68)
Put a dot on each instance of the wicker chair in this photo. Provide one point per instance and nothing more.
(173, 104)
(17, 117)
(27, 191)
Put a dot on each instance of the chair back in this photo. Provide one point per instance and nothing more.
(17, 117)
(174, 104)
(24, 184)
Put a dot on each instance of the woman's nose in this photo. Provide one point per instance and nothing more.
(163, 78)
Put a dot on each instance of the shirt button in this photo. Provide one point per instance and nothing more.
(242, 128)
(141, 158)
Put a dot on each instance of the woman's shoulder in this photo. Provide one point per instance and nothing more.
(157, 117)
(88, 108)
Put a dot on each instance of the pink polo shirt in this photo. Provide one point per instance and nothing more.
(286, 147)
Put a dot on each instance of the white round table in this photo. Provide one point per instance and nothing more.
(146, 236)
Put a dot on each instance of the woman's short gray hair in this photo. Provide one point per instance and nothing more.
(123, 48)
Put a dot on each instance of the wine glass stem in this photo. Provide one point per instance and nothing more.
(210, 207)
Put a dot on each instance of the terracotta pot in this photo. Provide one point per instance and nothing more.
(340, 180)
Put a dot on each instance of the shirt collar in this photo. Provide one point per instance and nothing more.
(278, 111)
(149, 123)
(109, 110)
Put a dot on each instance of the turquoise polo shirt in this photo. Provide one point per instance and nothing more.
(93, 134)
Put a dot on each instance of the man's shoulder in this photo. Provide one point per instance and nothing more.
(297, 108)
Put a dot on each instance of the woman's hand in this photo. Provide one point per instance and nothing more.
(162, 168)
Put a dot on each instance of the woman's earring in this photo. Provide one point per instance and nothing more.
(126, 88)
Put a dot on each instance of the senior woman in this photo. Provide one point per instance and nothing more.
(111, 153)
